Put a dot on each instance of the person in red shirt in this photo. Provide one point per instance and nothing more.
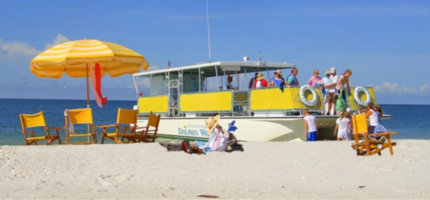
(261, 82)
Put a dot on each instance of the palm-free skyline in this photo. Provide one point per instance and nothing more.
(384, 43)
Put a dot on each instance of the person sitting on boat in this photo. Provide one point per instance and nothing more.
(277, 80)
(311, 127)
(229, 81)
(343, 84)
(329, 89)
(315, 80)
(261, 82)
(292, 78)
(252, 81)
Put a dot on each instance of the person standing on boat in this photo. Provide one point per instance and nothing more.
(330, 93)
(252, 81)
(292, 78)
(229, 81)
(315, 80)
(311, 127)
(343, 84)
(334, 79)
(261, 82)
(277, 80)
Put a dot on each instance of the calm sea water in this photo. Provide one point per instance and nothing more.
(411, 121)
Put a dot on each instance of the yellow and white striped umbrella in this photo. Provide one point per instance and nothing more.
(74, 58)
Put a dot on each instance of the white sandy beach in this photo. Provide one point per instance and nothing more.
(325, 169)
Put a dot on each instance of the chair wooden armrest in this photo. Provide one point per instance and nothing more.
(382, 134)
(140, 127)
(55, 128)
(126, 128)
(29, 132)
(105, 126)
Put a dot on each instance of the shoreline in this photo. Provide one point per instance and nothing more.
(322, 169)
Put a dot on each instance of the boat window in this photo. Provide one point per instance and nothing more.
(158, 85)
(209, 80)
(143, 84)
(191, 80)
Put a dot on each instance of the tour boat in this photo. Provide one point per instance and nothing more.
(186, 96)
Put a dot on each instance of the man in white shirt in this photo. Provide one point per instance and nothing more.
(311, 127)
(330, 94)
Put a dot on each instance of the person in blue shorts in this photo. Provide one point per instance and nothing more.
(311, 127)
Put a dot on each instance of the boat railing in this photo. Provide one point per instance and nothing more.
(255, 102)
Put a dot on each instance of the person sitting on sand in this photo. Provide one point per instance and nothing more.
(342, 127)
(261, 82)
(277, 80)
(311, 127)
(315, 80)
(292, 78)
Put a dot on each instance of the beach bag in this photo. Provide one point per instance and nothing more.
(340, 103)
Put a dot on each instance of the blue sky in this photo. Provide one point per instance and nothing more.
(385, 43)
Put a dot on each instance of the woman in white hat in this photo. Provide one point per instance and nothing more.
(277, 80)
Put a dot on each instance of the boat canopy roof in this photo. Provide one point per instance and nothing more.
(238, 66)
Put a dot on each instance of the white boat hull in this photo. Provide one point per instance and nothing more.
(249, 128)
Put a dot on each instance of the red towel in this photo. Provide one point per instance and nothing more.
(96, 83)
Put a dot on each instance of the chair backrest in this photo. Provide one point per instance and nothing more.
(79, 116)
(153, 120)
(126, 116)
(360, 124)
(32, 120)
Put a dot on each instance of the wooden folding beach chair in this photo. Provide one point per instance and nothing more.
(149, 132)
(126, 120)
(37, 120)
(367, 143)
(80, 116)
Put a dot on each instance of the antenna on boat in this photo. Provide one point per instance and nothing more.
(260, 60)
(209, 36)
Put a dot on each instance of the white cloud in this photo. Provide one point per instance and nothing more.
(394, 88)
(16, 49)
(60, 38)
(13, 49)
(424, 88)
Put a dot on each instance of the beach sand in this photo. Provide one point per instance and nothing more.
(324, 169)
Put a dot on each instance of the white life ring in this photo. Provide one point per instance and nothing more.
(357, 97)
(305, 100)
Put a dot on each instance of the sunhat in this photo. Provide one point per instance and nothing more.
(278, 71)
(260, 76)
(327, 72)
(332, 70)
(211, 123)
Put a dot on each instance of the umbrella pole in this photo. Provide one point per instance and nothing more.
(88, 103)
(88, 89)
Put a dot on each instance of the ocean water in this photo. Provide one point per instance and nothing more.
(411, 121)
